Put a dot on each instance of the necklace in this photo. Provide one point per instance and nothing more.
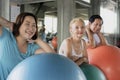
(77, 47)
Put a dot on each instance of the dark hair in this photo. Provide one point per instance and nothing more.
(19, 21)
(93, 17)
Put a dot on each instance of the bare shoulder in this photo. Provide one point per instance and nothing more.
(66, 43)
(67, 40)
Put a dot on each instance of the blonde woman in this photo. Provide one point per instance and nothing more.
(74, 47)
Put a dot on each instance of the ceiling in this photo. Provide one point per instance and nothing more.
(50, 6)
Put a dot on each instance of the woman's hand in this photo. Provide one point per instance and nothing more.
(79, 61)
(85, 59)
(30, 41)
(34, 41)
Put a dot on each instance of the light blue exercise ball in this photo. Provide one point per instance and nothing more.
(47, 67)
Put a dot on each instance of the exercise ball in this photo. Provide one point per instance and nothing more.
(107, 58)
(92, 72)
(46, 67)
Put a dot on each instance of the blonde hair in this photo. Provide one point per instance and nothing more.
(75, 20)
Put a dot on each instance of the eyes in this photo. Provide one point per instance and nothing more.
(79, 27)
(97, 25)
(29, 24)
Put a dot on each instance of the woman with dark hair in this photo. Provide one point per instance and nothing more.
(19, 42)
(94, 37)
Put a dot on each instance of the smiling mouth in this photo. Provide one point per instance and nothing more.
(80, 33)
(29, 33)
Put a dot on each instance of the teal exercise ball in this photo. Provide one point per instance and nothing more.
(47, 67)
(92, 72)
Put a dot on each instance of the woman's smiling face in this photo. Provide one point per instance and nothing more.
(77, 29)
(28, 28)
(96, 25)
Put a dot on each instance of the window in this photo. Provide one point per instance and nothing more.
(50, 24)
(109, 19)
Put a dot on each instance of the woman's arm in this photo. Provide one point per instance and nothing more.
(44, 47)
(91, 41)
(6, 23)
(79, 61)
(102, 39)
(85, 55)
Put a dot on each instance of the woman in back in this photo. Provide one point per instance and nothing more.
(94, 38)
